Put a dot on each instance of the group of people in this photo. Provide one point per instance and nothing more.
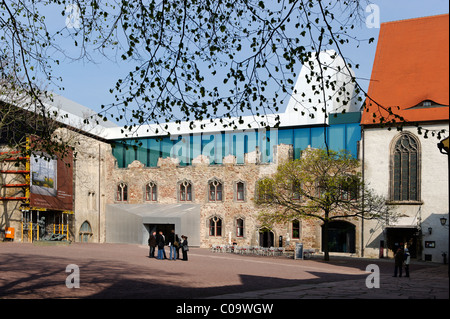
(402, 259)
(158, 240)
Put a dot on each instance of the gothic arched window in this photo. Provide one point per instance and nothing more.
(151, 192)
(405, 168)
(215, 226)
(215, 190)
(185, 191)
(122, 192)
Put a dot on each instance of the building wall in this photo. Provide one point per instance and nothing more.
(433, 187)
(168, 174)
(92, 161)
(96, 176)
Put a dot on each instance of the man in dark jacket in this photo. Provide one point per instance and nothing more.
(398, 259)
(160, 243)
(152, 244)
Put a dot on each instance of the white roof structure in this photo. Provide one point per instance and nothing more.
(78, 116)
(64, 111)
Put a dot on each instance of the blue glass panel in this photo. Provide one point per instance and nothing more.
(141, 151)
(317, 137)
(267, 140)
(336, 137)
(166, 147)
(118, 152)
(286, 136)
(240, 148)
(196, 146)
(180, 148)
(130, 152)
(219, 148)
(154, 151)
(239, 143)
(208, 144)
(302, 138)
(353, 136)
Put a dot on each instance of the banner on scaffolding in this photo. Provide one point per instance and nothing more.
(51, 181)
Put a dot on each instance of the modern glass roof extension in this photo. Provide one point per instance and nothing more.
(342, 133)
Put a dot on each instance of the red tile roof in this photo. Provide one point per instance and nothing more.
(411, 66)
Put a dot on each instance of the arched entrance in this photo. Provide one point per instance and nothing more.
(266, 237)
(341, 237)
(85, 232)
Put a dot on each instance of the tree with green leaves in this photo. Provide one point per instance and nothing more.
(322, 185)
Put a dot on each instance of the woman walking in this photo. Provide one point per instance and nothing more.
(185, 247)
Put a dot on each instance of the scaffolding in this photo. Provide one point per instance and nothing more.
(41, 224)
(36, 222)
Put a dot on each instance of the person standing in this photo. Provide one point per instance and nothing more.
(152, 244)
(173, 242)
(407, 261)
(180, 243)
(160, 244)
(185, 247)
(398, 259)
(165, 243)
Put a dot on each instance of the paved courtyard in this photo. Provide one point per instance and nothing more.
(125, 271)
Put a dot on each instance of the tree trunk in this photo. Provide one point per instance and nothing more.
(326, 256)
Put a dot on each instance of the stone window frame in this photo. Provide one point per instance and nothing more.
(236, 226)
(235, 191)
(155, 184)
(216, 218)
(392, 151)
(121, 192)
(299, 229)
(218, 182)
(186, 183)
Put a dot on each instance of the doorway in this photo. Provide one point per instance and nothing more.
(399, 237)
(341, 237)
(266, 237)
(165, 228)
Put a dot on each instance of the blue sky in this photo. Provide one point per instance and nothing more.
(88, 84)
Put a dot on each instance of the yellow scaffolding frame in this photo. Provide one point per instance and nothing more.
(61, 226)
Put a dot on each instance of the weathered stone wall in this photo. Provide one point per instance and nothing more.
(168, 174)
(93, 163)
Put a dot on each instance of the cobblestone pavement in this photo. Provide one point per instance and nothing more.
(428, 283)
(120, 271)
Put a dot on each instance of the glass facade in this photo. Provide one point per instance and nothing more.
(343, 133)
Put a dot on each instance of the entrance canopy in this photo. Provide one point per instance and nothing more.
(128, 223)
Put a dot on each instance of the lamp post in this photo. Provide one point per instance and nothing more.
(443, 147)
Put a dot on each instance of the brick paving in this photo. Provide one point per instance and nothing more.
(120, 271)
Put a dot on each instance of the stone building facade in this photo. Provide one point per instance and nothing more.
(224, 192)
